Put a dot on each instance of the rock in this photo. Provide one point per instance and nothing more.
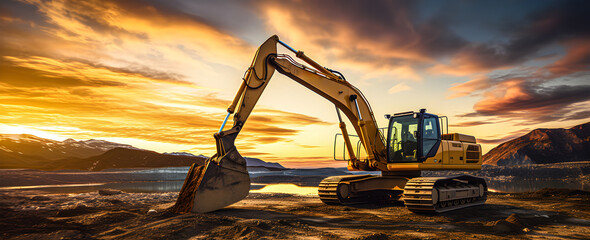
(374, 236)
(109, 192)
(255, 223)
(40, 198)
(511, 224)
(151, 211)
(77, 210)
(504, 226)
(31, 208)
(114, 231)
(115, 201)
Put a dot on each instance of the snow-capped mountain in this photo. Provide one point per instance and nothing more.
(129, 158)
(30, 145)
(186, 154)
(29, 151)
(250, 162)
(255, 162)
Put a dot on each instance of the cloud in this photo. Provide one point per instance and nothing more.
(577, 116)
(470, 87)
(577, 59)
(272, 115)
(471, 123)
(496, 141)
(152, 38)
(306, 162)
(131, 69)
(82, 100)
(397, 39)
(400, 87)
(504, 138)
(534, 94)
(153, 70)
(82, 72)
(266, 140)
(382, 36)
(559, 23)
(529, 100)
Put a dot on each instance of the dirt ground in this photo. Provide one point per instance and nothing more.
(547, 214)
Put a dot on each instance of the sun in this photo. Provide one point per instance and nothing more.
(19, 129)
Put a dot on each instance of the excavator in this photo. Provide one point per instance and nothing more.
(411, 143)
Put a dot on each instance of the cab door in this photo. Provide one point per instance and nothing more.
(429, 136)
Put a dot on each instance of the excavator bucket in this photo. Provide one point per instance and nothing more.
(224, 178)
(222, 181)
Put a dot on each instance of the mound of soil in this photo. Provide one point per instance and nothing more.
(511, 224)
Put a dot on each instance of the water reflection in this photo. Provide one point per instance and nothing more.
(155, 186)
(287, 188)
(175, 186)
(51, 186)
(517, 186)
(171, 180)
(132, 187)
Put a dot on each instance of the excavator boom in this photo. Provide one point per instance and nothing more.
(224, 178)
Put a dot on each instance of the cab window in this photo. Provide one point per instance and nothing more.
(431, 134)
(402, 138)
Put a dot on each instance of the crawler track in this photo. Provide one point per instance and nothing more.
(421, 194)
(343, 190)
(442, 194)
(331, 190)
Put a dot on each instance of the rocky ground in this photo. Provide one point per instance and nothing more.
(546, 214)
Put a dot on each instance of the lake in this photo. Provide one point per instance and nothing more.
(171, 180)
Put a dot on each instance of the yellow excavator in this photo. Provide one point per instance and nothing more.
(412, 142)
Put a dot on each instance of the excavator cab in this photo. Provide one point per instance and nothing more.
(412, 136)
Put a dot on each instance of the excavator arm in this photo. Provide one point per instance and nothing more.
(320, 80)
(224, 178)
(351, 102)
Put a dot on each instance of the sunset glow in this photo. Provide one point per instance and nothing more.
(160, 74)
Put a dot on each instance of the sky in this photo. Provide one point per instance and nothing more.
(160, 74)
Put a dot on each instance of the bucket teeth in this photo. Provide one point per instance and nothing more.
(184, 203)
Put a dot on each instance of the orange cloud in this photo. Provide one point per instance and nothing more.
(577, 59)
(91, 74)
(400, 87)
(471, 123)
(526, 99)
(470, 87)
(377, 40)
(94, 102)
(126, 35)
(129, 70)
(307, 162)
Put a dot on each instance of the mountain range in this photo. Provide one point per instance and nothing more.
(32, 152)
(29, 151)
(255, 162)
(543, 146)
(540, 146)
(26, 144)
(250, 162)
